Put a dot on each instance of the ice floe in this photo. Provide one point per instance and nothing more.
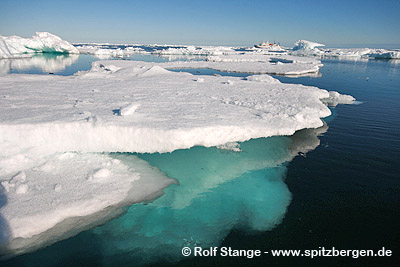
(271, 65)
(165, 110)
(56, 132)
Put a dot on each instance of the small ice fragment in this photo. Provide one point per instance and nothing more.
(21, 189)
(6, 185)
(128, 110)
(102, 173)
(233, 146)
(66, 155)
(47, 167)
(57, 187)
(91, 119)
(263, 78)
(19, 177)
(336, 98)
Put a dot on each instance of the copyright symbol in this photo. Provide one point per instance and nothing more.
(186, 251)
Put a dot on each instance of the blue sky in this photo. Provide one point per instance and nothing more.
(205, 22)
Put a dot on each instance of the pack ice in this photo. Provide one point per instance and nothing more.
(56, 133)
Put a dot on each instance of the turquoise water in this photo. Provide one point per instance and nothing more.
(342, 190)
(219, 190)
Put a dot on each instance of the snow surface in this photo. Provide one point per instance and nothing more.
(15, 46)
(171, 110)
(54, 130)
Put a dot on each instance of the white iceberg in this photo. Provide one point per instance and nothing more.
(304, 47)
(41, 42)
(385, 54)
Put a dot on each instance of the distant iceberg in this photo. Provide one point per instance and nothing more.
(385, 54)
(41, 42)
(308, 48)
(305, 47)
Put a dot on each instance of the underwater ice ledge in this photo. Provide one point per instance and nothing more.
(69, 193)
(220, 189)
(128, 108)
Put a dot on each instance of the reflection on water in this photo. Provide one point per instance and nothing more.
(220, 190)
(64, 64)
(45, 63)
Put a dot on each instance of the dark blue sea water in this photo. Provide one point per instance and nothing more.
(337, 187)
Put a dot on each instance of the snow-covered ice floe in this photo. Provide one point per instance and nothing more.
(256, 64)
(55, 134)
(41, 42)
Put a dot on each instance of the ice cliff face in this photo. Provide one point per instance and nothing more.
(41, 42)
